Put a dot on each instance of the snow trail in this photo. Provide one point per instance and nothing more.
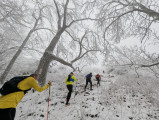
(107, 102)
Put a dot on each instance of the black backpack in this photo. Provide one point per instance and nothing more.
(11, 85)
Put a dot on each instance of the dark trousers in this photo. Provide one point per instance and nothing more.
(7, 114)
(98, 81)
(88, 81)
(69, 87)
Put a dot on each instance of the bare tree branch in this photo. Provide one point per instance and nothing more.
(59, 16)
(65, 12)
(150, 65)
(74, 21)
(53, 57)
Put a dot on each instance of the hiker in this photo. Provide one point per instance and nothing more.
(69, 83)
(9, 102)
(88, 79)
(98, 78)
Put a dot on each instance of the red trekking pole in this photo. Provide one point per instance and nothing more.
(48, 104)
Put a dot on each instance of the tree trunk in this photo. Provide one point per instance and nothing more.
(46, 58)
(43, 68)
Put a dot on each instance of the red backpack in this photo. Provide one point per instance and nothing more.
(97, 76)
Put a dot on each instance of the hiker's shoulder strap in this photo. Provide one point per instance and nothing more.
(73, 77)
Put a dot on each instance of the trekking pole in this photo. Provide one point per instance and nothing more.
(75, 91)
(48, 104)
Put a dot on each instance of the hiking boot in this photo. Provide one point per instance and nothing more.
(67, 104)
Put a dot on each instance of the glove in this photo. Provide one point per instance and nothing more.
(49, 83)
(33, 90)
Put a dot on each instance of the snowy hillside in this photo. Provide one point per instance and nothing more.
(119, 39)
(120, 97)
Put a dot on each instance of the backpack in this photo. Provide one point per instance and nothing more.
(70, 78)
(97, 76)
(88, 76)
(11, 85)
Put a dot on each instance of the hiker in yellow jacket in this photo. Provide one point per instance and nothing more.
(9, 102)
(69, 83)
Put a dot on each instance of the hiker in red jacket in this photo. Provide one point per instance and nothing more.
(98, 78)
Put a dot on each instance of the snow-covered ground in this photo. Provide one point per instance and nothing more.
(120, 97)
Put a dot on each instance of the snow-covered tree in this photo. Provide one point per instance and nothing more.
(67, 14)
(122, 19)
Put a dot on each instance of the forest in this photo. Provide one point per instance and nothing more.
(76, 34)
(110, 37)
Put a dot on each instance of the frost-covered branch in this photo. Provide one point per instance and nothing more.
(150, 65)
(81, 47)
(59, 16)
(53, 57)
(84, 19)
